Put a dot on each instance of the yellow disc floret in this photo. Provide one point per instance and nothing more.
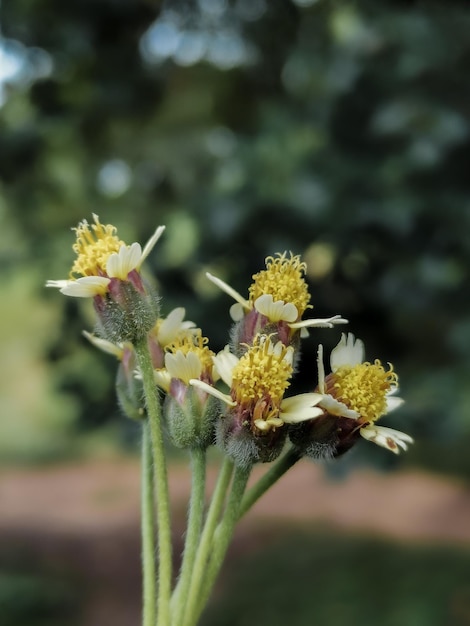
(197, 344)
(93, 247)
(262, 372)
(364, 387)
(283, 278)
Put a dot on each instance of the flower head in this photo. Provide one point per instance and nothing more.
(278, 298)
(190, 412)
(100, 257)
(354, 396)
(108, 270)
(357, 388)
(187, 358)
(257, 407)
(168, 330)
(284, 280)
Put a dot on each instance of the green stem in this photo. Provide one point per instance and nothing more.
(221, 541)
(148, 531)
(193, 533)
(205, 543)
(161, 483)
(275, 472)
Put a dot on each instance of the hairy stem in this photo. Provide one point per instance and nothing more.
(193, 533)
(221, 540)
(280, 467)
(161, 483)
(148, 531)
(205, 543)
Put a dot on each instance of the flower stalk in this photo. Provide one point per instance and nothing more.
(148, 531)
(161, 484)
(221, 540)
(275, 472)
(193, 533)
(205, 543)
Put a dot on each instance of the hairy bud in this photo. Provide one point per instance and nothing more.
(190, 415)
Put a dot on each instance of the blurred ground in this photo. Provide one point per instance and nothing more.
(85, 518)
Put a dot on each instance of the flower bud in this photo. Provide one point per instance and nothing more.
(190, 416)
(128, 387)
(126, 313)
(324, 437)
(245, 447)
(189, 412)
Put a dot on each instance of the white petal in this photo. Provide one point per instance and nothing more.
(300, 408)
(113, 265)
(84, 287)
(388, 438)
(277, 310)
(183, 366)
(224, 363)
(134, 256)
(119, 264)
(393, 402)
(334, 407)
(58, 284)
(275, 349)
(229, 290)
(271, 422)
(289, 355)
(150, 244)
(162, 379)
(172, 326)
(327, 322)
(349, 351)
(103, 344)
(237, 312)
(195, 382)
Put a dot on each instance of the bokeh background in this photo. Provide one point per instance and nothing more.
(338, 130)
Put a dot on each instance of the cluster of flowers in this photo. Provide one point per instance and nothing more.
(254, 417)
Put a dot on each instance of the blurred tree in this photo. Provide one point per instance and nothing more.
(338, 130)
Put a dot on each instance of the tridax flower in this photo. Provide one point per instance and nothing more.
(190, 412)
(354, 396)
(166, 331)
(278, 298)
(188, 357)
(108, 270)
(102, 256)
(252, 429)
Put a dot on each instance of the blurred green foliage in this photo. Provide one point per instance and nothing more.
(36, 601)
(344, 581)
(338, 130)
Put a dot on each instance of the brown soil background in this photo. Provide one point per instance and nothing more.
(85, 517)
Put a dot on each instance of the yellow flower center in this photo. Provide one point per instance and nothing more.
(93, 247)
(194, 343)
(262, 372)
(283, 278)
(363, 388)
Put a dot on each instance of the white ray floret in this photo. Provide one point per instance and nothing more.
(83, 287)
(388, 438)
